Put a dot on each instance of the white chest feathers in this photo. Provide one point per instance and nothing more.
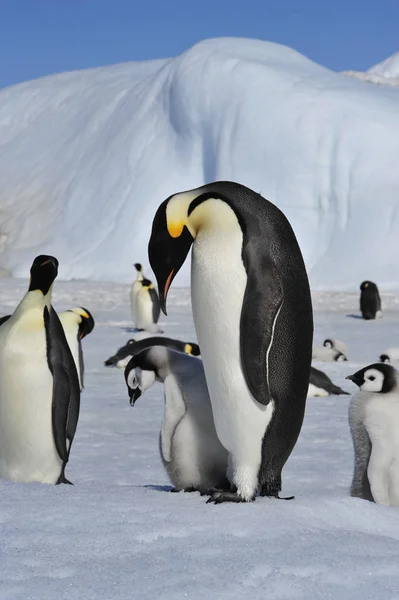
(27, 449)
(380, 416)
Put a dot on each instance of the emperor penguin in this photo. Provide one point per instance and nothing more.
(147, 308)
(190, 450)
(390, 355)
(124, 354)
(77, 323)
(336, 345)
(370, 301)
(320, 385)
(39, 386)
(253, 318)
(136, 286)
(324, 354)
(374, 425)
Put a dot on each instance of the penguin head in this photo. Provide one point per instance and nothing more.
(138, 267)
(176, 224)
(340, 357)
(147, 284)
(139, 376)
(328, 343)
(384, 358)
(377, 378)
(43, 271)
(86, 324)
(366, 285)
(192, 349)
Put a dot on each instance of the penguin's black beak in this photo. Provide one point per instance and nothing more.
(134, 395)
(357, 379)
(166, 253)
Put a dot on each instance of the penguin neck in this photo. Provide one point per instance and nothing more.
(32, 304)
(140, 276)
(213, 216)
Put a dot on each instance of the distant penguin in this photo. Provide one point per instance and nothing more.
(390, 355)
(77, 323)
(336, 345)
(374, 425)
(320, 385)
(147, 307)
(136, 286)
(125, 353)
(370, 301)
(39, 386)
(190, 449)
(253, 317)
(324, 354)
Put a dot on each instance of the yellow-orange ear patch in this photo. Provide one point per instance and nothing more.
(175, 228)
(188, 349)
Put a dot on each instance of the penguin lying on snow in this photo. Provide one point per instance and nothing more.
(325, 354)
(124, 354)
(146, 307)
(39, 386)
(336, 345)
(321, 385)
(370, 301)
(374, 425)
(390, 355)
(253, 317)
(190, 449)
(77, 323)
(136, 286)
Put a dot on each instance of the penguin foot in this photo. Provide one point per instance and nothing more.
(220, 497)
(63, 479)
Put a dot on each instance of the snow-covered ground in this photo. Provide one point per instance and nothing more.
(119, 534)
(87, 157)
(384, 73)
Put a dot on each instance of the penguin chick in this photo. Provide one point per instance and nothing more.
(336, 345)
(390, 355)
(136, 286)
(321, 385)
(370, 301)
(190, 449)
(77, 323)
(374, 425)
(147, 307)
(133, 346)
(325, 354)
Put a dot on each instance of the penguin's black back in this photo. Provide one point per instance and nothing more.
(370, 301)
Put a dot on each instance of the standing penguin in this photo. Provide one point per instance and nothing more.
(39, 386)
(136, 286)
(147, 308)
(374, 425)
(190, 449)
(370, 301)
(77, 323)
(253, 317)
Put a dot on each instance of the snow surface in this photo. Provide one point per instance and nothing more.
(87, 157)
(119, 534)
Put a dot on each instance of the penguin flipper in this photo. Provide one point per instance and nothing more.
(81, 364)
(66, 389)
(156, 307)
(175, 409)
(262, 302)
(338, 392)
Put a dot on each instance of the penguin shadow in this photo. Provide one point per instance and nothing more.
(354, 316)
(159, 488)
(130, 329)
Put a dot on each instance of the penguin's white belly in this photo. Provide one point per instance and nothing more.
(218, 281)
(316, 392)
(144, 314)
(27, 449)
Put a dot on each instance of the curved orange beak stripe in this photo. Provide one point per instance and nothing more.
(167, 284)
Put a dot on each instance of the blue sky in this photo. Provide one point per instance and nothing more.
(40, 37)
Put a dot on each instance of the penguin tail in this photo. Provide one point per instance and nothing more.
(110, 362)
(338, 392)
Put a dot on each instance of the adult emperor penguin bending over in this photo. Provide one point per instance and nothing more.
(253, 317)
(39, 386)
